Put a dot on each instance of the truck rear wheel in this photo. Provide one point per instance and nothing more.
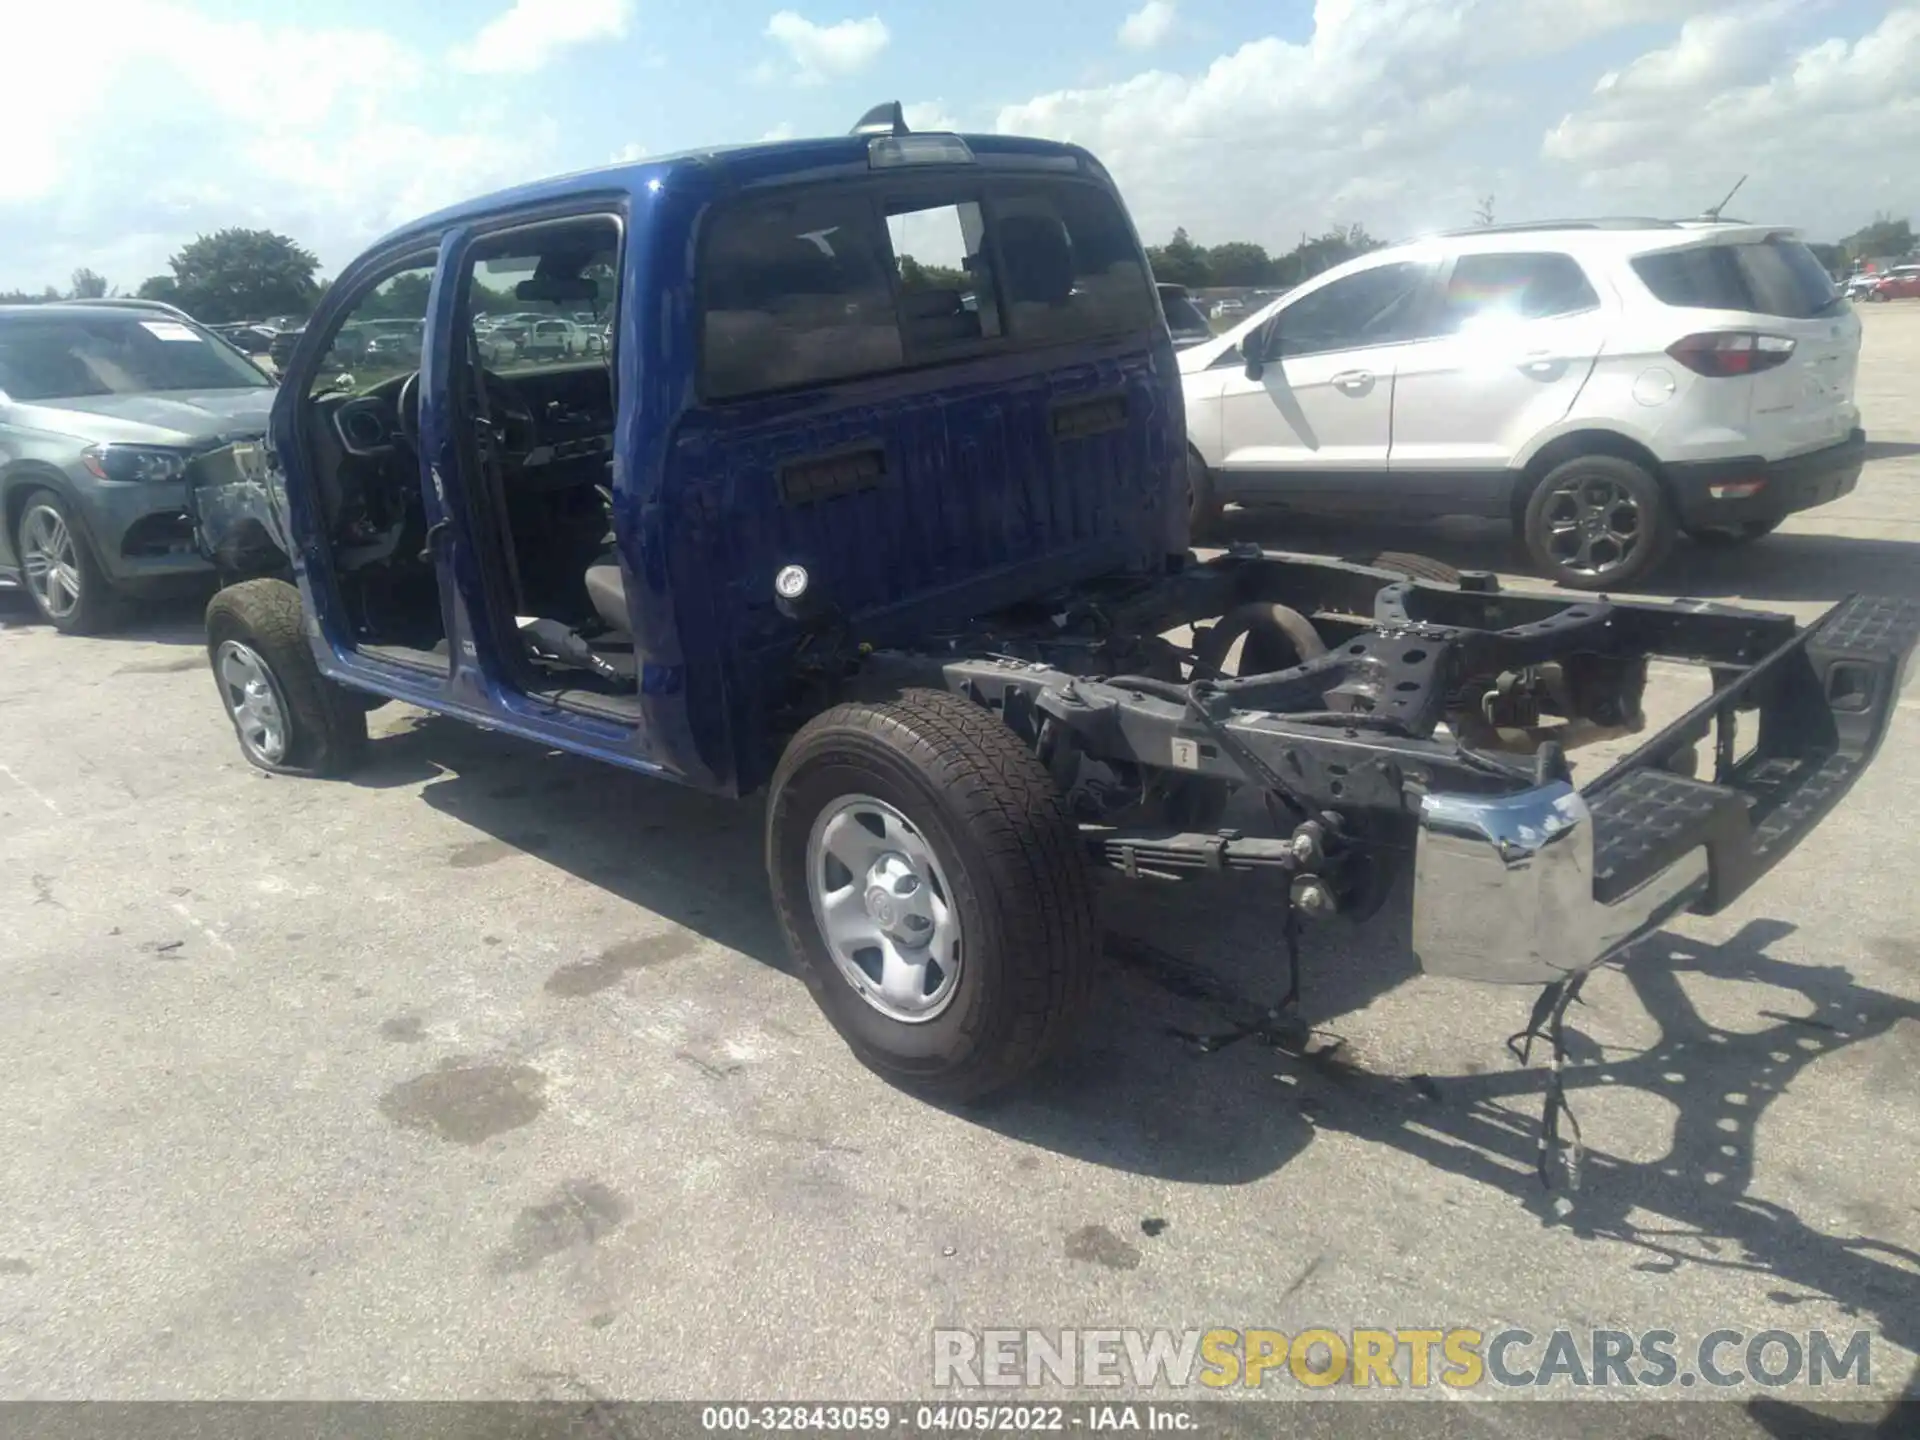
(931, 885)
(289, 718)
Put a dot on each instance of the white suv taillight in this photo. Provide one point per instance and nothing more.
(1723, 353)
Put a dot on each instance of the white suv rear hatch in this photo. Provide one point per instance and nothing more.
(1742, 293)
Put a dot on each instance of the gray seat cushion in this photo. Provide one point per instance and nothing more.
(607, 589)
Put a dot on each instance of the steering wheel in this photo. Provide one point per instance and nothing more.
(515, 430)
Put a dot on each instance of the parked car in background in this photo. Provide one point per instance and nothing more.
(102, 406)
(551, 340)
(1184, 319)
(1902, 282)
(393, 344)
(1605, 386)
(253, 341)
(280, 347)
(1229, 309)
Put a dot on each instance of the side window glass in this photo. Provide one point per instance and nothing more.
(1374, 307)
(946, 295)
(1489, 290)
(382, 335)
(1070, 268)
(795, 292)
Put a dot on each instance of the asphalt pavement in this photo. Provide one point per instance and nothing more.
(484, 1074)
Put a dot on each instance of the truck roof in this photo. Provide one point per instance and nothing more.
(743, 166)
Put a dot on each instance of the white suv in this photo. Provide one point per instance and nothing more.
(1604, 385)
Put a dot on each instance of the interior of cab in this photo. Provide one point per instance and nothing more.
(542, 417)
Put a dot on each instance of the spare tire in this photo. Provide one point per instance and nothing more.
(1415, 567)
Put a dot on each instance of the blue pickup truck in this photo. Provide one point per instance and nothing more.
(878, 503)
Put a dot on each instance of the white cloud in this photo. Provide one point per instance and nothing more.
(1401, 113)
(1826, 131)
(525, 37)
(782, 131)
(1147, 26)
(822, 52)
(330, 133)
(628, 153)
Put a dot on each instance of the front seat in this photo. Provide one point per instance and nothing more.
(607, 589)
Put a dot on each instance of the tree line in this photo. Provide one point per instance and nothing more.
(241, 274)
(1242, 264)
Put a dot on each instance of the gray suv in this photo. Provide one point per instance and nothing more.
(102, 407)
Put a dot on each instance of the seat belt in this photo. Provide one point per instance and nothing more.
(495, 476)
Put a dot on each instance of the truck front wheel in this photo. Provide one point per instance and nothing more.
(289, 718)
(931, 885)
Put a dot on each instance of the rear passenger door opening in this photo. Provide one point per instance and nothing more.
(532, 408)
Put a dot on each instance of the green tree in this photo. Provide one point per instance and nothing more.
(1884, 237)
(1337, 246)
(1239, 262)
(1180, 262)
(402, 298)
(239, 274)
(915, 276)
(159, 287)
(1832, 258)
(88, 285)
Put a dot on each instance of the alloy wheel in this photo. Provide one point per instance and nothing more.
(1594, 526)
(253, 699)
(50, 558)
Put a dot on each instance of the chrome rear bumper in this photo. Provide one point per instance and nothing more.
(1504, 888)
(1532, 886)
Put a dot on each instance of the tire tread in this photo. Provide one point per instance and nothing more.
(329, 730)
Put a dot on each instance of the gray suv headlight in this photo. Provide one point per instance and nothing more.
(136, 464)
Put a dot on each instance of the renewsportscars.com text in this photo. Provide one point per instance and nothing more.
(1456, 1358)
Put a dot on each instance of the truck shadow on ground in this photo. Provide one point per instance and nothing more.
(1781, 567)
(1181, 1073)
(1690, 1208)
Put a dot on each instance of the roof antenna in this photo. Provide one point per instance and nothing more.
(887, 119)
(1713, 212)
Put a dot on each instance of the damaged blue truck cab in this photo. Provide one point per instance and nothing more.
(854, 470)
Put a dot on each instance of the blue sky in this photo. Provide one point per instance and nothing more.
(1251, 120)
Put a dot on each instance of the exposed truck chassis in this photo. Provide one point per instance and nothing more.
(1383, 721)
(1394, 746)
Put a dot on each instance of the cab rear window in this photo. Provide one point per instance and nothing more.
(829, 285)
(1778, 276)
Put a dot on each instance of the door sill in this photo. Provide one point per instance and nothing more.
(432, 662)
(626, 709)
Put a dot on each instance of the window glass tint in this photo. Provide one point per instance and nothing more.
(548, 298)
(382, 335)
(1785, 279)
(1374, 307)
(1768, 277)
(945, 294)
(1182, 313)
(1706, 278)
(62, 356)
(1070, 268)
(1489, 290)
(795, 293)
